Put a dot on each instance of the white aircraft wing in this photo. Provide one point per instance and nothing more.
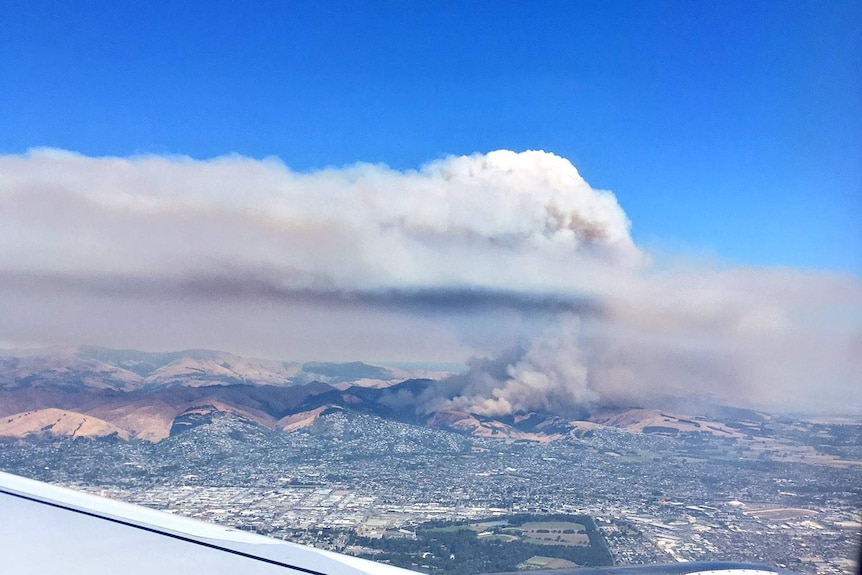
(50, 529)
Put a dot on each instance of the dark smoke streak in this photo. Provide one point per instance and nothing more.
(246, 287)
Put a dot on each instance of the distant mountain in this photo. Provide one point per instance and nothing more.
(125, 394)
(64, 368)
(346, 372)
(90, 367)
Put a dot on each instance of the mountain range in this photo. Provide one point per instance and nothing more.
(131, 395)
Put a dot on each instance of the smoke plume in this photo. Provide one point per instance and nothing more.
(467, 255)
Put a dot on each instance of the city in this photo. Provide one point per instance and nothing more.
(353, 477)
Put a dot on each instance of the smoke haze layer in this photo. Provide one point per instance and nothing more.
(467, 255)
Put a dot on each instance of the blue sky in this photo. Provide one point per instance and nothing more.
(730, 129)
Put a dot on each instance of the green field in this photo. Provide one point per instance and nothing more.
(536, 532)
(454, 528)
(498, 537)
(555, 533)
(483, 546)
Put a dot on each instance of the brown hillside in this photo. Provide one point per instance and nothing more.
(59, 423)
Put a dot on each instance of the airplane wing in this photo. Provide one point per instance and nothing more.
(49, 529)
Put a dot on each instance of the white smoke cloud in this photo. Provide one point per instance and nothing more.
(767, 338)
(550, 376)
(363, 226)
(465, 255)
